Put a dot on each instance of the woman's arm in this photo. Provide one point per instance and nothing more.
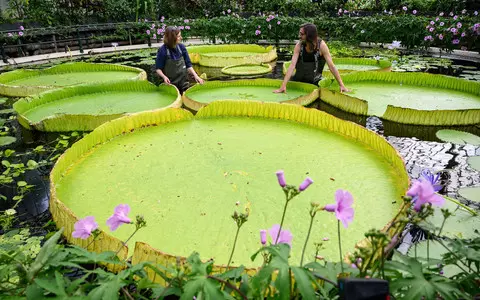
(188, 64)
(194, 74)
(328, 58)
(296, 54)
(160, 64)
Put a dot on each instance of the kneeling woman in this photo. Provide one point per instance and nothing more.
(309, 58)
(173, 62)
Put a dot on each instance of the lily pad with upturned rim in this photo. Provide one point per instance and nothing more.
(251, 89)
(230, 54)
(159, 162)
(84, 107)
(24, 82)
(409, 98)
(247, 69)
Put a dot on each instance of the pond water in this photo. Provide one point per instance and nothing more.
(418, 145)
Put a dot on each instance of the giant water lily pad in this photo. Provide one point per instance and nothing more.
(20, 83)
(458, 137)
(258, 89)
(348, 65)
(248, 69)
(227, 55)
(186, 173)
(409, 98)
(85, 107)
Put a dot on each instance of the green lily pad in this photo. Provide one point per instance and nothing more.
(7, 140)
(458, 137)
(470, 193)
(462, 224)
(474, 162)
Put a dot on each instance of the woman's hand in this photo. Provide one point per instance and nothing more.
(282, 89)
(166, 80)
(198, 79)
(344, 89)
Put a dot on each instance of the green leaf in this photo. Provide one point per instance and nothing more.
(212, 290)
(7, 140)
(232, 274)
(31, 164)
(193, 287)
(261, 281)
(303, 280)
(107, 290)
(43, 256)
(198, 268)
(21, 183)
(458, 137)
(414, 284)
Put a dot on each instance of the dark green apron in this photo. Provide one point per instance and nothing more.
(310, 72)
(176, 71)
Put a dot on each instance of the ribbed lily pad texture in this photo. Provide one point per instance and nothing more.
(409, 98)
(233, 54)
(256, 90)
(85, 107)
(187, 175)
(348, 65)
(23, 82)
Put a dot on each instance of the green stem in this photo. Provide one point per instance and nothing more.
(312, 216)
(283, 218)
(441, 227)
(233, 249)
(340, 245)
(451, 252)
(473, 212)
(233, 287)
(124, 243)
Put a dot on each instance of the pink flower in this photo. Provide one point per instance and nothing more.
(437, 19)
(343, 208)
(440, 37)
(305, 184)
(229, 11)
(153, 26)
(414, 12)
(325, 239)
(423, 190)
(432, 22)
(148, 32)
(441, 14)
(263, 236)
(456, 17)
(278, 23)
(475, 13)
(10, 34)
(159, 31)
(441, 23)
(281, 178)
(119, 217)
(187, 27)
(186, 20)
(455, 42)
(22, 28)
(257, 32)
(405, 8)
(284, 238)
(84, 228)
(20, 33)
(431, 29)
(154, 36)
(463, 34)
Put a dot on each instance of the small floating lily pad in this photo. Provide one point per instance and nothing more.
(247, 69)
(458, 137)
(474, 162)
(462, 224)
(470, 193)
(7, 140)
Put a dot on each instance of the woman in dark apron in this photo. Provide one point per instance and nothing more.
(173, 62)
(309, 58)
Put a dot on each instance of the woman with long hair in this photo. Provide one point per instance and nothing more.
(173, 62)
(309, 57)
